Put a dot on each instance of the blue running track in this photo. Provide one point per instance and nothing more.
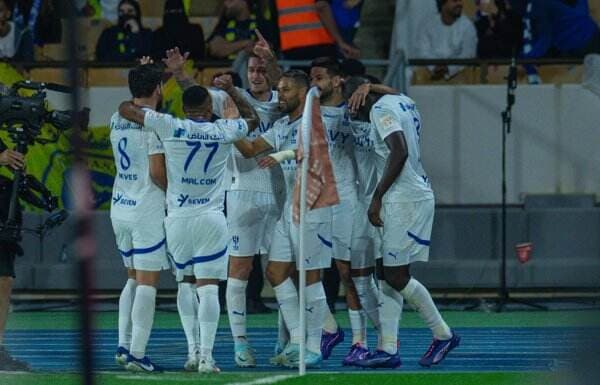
(481, 349)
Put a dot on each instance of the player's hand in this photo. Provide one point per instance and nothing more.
(375, 211)
(175, 60)
(359, 97)
(146, 60)
(230, 110)
(267, 162)
(262, 48)
(224, 82)
(349, 51)
(12, 158)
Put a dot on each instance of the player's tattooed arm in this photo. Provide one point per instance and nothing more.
(131, 112)
(250, 149)
(393, 168)
(247, 112)
(174, 61)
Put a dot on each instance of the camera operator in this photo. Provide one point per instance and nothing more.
(8, 252)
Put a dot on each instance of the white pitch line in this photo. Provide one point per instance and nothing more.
(266, 381)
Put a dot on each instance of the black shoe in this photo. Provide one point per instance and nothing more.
(256, 307)
(10, 364)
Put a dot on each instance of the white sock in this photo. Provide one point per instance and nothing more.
(418, 297)
(330, 325)
(364, 321)
(369, 298)
(316, 307)
(187, 304)
(283, 335)
(389, 316)
(142, 317)
(356, 322)
(287, 297)
(125, 305)
(236, 307)
(208, 317)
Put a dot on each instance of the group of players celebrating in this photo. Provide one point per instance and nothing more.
(169, 196)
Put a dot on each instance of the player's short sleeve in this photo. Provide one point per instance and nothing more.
(385, 121)
(164, 125)
(232, 129)
(271, 137)
(155, 146)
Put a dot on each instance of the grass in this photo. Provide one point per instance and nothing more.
(108, 320)
(311, 379)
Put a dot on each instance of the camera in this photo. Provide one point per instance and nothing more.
(23, 117)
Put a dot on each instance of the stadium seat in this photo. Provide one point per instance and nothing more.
(152, 8)
(205, 8)
(561, 74)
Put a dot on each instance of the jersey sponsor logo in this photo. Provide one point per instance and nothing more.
(119, 199)
(185, 199)
(263, 127)
(337, 137)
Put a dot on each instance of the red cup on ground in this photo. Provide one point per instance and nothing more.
(524, 251)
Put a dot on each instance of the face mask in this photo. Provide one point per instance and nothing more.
(124, 19)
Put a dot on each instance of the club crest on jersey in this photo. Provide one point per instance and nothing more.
(236, 242)
(387, 122)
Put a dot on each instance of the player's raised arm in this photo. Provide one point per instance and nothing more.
(359, 97)
(263, 50)
(247, 112)
(175, 61)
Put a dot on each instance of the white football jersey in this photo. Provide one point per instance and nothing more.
(364, 154)
(283, 136)
(339, 137)
(398, 113)
(196, 154)
(217, 97)
(246, 175)
(135, 197)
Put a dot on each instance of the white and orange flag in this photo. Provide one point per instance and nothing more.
(321, 190)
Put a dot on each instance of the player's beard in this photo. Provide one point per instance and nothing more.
(289, 106)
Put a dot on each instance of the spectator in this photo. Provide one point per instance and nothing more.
(177, 31)
(499, 29)
(558, 28)
(41, 18)
(15, 43)
(128, 40)
(235, 30)
(307, 30)
(450, 35)
(347, 17)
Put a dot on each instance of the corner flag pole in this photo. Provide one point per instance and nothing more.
(305, 128)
